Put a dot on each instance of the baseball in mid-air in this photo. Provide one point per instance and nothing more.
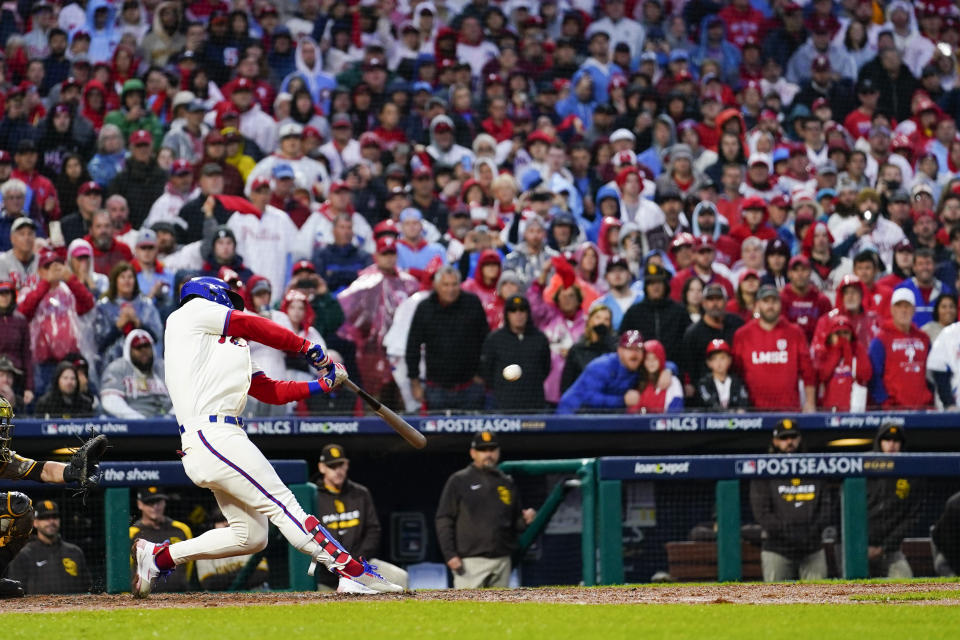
(512, 372)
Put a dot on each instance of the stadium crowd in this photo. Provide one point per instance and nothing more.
(646, 205)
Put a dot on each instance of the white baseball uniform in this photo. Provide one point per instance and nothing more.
(945, 357)
(208, 377)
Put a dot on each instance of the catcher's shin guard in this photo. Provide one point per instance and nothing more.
(340, 562)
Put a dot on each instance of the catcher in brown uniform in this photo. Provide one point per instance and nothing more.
(16, 509)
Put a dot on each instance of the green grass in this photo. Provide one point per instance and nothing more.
(907, 596)
(413, 620)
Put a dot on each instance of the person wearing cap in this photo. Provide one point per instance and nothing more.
(370, 307)
(451, 325)
(869, 228)
(530, 256)
(214, 151)
(54, 306)
(793, 513)
(175, 196)
(253, 122)
(11, 378)
(517, 342)
(607, 379)
(132, 387)
(306, 171)
(155, 526)
(340, 262)
(413, 250)
(142, 180)
(620, 296)
(893, 506)
(43, 195)
(761, 179)
(825, 84)
(347, 509)
(187, 131)
(49, 564)
(155, 282)
(18, 264)
(442, 149)
(317, 231)
(342, 151)
(754, 216)
(77, 224)
(820, 49)
(658, 316)
(702, 267)
(133, 114)
(714, 45)
(842, 363)
(924, 285)
(479, 518)
(715, 324)
(15, 339)
(899, 355)
(772, 355)
(719, 389)
(857, 122)
(803, 304)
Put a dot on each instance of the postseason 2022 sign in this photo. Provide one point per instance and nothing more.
(739, 466)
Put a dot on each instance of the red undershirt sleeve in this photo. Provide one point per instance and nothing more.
(258, 329)
(273, 391)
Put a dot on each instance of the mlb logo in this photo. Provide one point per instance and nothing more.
(429, 425)
(781, 344)
(746, 467)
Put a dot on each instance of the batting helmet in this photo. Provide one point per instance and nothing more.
(212, 289)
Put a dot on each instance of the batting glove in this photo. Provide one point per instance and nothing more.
(316, 357)
(332, 378)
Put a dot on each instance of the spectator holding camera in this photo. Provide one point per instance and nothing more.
(898, 356)
(53, 307)
(868, 229)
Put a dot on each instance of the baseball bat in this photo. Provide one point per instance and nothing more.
(398, 424)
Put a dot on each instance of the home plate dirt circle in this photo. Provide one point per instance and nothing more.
(829, 593)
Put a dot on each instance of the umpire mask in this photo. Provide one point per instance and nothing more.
(6, 429)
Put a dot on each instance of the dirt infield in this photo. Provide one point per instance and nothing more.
(830, 593)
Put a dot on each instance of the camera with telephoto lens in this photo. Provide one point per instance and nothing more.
(869, 217)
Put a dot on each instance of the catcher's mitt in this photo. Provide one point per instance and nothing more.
(84, 465)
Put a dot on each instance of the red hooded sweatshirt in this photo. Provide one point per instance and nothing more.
(773, 363)
(835, 367)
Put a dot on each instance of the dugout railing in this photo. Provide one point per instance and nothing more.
(601, 482)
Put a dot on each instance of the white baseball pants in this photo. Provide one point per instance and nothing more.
(220, 457)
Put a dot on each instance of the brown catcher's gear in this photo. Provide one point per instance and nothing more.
(16, 523)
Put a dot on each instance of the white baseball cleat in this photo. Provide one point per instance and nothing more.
(348, 585)
(146, 567)
(372, 580)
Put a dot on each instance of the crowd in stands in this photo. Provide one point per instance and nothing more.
(647, 205)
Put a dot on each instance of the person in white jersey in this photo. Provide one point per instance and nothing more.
(209, 376)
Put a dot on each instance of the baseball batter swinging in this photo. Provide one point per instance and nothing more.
(209, 374)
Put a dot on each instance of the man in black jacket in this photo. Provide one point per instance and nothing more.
(793, 513)
(142, 180)
(479, 518)
(346, 509)
(716, 324)
(657, 317)
(89, 201)
(522, 344)
(893, 505)
(452, 325)
(48, 563)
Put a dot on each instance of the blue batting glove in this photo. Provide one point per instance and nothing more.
(331, 379)
(317, 358)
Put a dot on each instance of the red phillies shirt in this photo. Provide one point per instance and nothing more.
(804, 310)
(773, 363)
(900, 367)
